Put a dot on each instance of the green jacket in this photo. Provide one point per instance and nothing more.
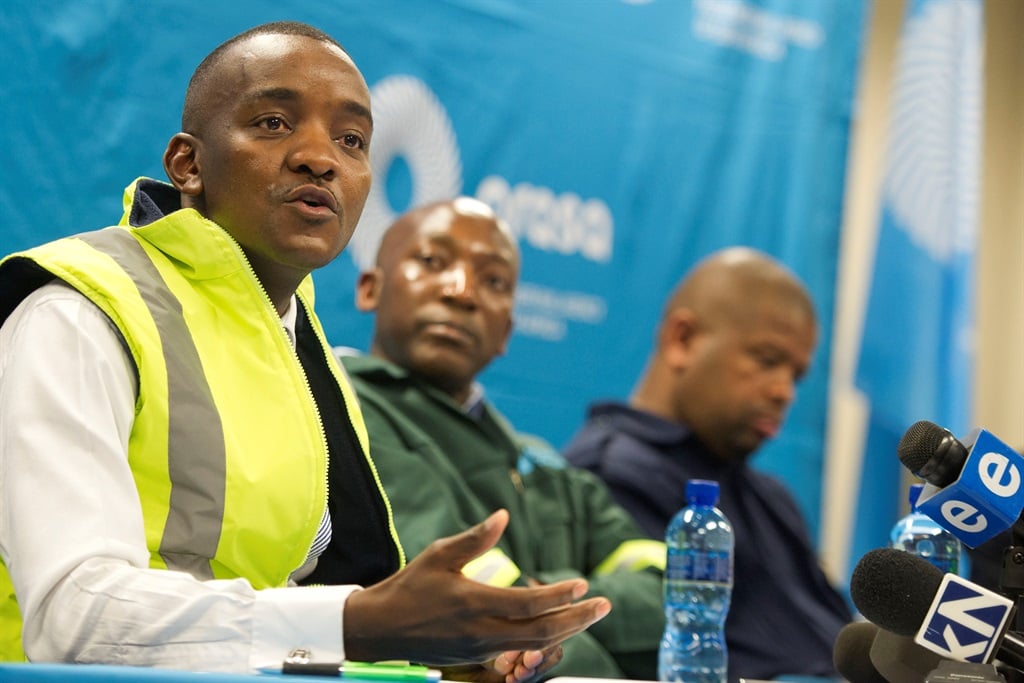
(444, 471)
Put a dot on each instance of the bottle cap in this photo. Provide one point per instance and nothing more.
(702, 491)
(913, 494)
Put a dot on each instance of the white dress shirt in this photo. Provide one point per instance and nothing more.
(71, 528)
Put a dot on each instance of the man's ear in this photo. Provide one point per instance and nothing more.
(181, 163)
(368, 290)
(676, 337)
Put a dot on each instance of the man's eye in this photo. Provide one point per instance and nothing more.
(273, 123)
(768, 359)
(430, 261)
(354, 141)
(499, 284)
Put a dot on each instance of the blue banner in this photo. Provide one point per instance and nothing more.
(623, 140)
(916, 359)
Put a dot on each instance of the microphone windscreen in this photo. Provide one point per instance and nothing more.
(900, 660)
(919, 443)
(851, 653)
(894, 589)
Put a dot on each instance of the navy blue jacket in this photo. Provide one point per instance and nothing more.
(784, 616)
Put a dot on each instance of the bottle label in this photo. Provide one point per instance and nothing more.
(696, 565)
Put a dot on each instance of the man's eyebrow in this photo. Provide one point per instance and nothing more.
(487, 254)
(353, 107)
(282, 94)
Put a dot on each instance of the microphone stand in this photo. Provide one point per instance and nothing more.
(1011, 585)
(1011, 578)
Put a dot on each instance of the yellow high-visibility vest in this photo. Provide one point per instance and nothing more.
(230, 460)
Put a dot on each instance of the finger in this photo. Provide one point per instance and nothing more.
(520, 673)
(550, 629)
(528, 603)
(455, 551)
(505, 663)
(533, 663)
(562, 623)
(534, 658)
(515, 662)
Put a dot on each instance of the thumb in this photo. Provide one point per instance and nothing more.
(455, 551)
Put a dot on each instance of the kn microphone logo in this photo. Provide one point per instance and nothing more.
(965, 621)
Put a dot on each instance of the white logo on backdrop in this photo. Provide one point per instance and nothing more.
(411, 123)
(932, 165)
(763, 34)
(559, 223)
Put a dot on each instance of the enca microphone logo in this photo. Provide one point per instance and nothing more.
(997, 474)
(987, 497)
(965, 621)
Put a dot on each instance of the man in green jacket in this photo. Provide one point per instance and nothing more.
(442, 289)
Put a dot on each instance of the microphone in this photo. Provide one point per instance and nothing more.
(932, 453)
(865, 653)
(851, 653)
(953, 617)
(901, 660)
(974, 487)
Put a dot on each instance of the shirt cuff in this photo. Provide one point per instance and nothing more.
(307, 617)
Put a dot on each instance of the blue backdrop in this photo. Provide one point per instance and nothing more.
(917, 352)
(623, 140)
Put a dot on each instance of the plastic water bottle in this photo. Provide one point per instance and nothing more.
(920, 534)
(697, 588)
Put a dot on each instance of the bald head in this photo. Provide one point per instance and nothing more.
(435, 216)
(736, 337)
(203, 87)
(726, 285)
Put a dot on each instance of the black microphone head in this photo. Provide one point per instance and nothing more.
(932, 453)
(851, 653)
(919, 443)
(894, 589)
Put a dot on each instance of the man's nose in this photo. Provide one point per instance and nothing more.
(458, 284)
(314, 152)
(783, 386)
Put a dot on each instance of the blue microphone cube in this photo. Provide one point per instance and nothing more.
(988, 496)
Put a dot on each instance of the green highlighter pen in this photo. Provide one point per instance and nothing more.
(379, 671)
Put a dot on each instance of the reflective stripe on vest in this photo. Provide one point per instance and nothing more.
(634, 556)
(196, 456)
(493, 568)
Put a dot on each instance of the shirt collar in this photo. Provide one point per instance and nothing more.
(473, 406)
(288, 319)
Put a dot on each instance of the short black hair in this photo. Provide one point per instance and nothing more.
(191, 111)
